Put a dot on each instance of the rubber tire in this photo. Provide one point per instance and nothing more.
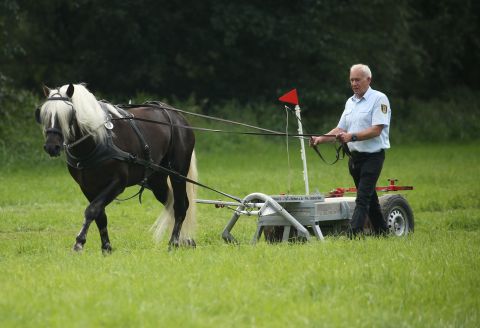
(398, 214)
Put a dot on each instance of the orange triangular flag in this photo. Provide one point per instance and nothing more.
(290, 97)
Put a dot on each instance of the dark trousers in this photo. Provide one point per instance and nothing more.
(365, 169)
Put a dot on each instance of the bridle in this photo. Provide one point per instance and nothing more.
(57, 131)
(68, 101)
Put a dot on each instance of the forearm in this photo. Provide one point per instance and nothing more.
(369, 133)
(335, 131)
(328, 137)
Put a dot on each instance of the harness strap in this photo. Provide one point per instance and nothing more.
(150, 165)
(138, 193)
(170, 143)
(144, 145)
(175, 174)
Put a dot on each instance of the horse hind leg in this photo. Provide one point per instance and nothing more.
(163, 193)
(185, 206)
(180, 207)
(159, 186)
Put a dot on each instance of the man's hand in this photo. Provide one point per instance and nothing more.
(344, 137)
(317, 140)
(329, 137)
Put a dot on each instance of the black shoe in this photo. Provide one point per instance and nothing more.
(355, 233)
(382, 233)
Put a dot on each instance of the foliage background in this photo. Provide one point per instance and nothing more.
(233, 59)
(424, 54)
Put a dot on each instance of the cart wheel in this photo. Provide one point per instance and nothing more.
(397, 214)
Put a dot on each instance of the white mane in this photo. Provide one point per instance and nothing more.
(89, 115)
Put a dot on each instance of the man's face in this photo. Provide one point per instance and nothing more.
(359, 82)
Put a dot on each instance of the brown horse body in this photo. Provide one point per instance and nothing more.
(105, 154)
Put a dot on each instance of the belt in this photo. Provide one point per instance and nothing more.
(359, 153)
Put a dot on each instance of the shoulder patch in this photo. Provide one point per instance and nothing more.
(384, 109)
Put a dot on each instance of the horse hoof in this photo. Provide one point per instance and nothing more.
(172, 246)
(78, 247)
(190, 243)
(106, 249)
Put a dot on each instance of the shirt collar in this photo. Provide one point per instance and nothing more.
(365, 96)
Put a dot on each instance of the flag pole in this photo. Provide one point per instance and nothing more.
(291, 97)
(302, 149)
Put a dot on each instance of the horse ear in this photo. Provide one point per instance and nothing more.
(70, 90)
(37, 115)
(46, 90)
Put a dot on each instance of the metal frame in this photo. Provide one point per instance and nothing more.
(309, 210)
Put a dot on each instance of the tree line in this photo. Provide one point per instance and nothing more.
(250, 51)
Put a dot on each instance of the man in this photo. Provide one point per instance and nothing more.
(364, 127)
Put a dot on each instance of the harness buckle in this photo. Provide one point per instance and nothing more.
(108, 125)
(132, 157)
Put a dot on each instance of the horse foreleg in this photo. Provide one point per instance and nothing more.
(96, 211)
(101, 222)
(82, 236)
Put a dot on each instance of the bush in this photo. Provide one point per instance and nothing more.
(20, 137)
(454, 116)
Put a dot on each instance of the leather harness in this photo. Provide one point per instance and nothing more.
(108, 150)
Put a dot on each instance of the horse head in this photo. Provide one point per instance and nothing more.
(57, 116)
(68, 113)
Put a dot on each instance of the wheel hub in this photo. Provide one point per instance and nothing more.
(397, 222)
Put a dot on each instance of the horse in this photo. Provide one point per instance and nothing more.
(109, 148)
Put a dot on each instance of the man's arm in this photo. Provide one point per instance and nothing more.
(369, 133)
(324, 139)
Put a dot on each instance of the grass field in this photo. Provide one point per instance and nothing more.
(428, 279)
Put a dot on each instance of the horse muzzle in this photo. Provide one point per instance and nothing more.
(52, 149)
(53, 142)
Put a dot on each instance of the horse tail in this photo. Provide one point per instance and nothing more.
(167, 218)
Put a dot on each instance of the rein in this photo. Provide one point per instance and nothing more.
(156, 104)
(79, 141)
(269, 133)
(148, 164)
(338, 150)
(342, 148)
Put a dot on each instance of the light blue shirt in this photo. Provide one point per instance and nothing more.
(361, 113)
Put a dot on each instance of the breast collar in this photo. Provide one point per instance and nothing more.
(108, 150)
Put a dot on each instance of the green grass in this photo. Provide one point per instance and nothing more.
(429, 278)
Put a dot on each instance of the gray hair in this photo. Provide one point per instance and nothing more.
(364, 68)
